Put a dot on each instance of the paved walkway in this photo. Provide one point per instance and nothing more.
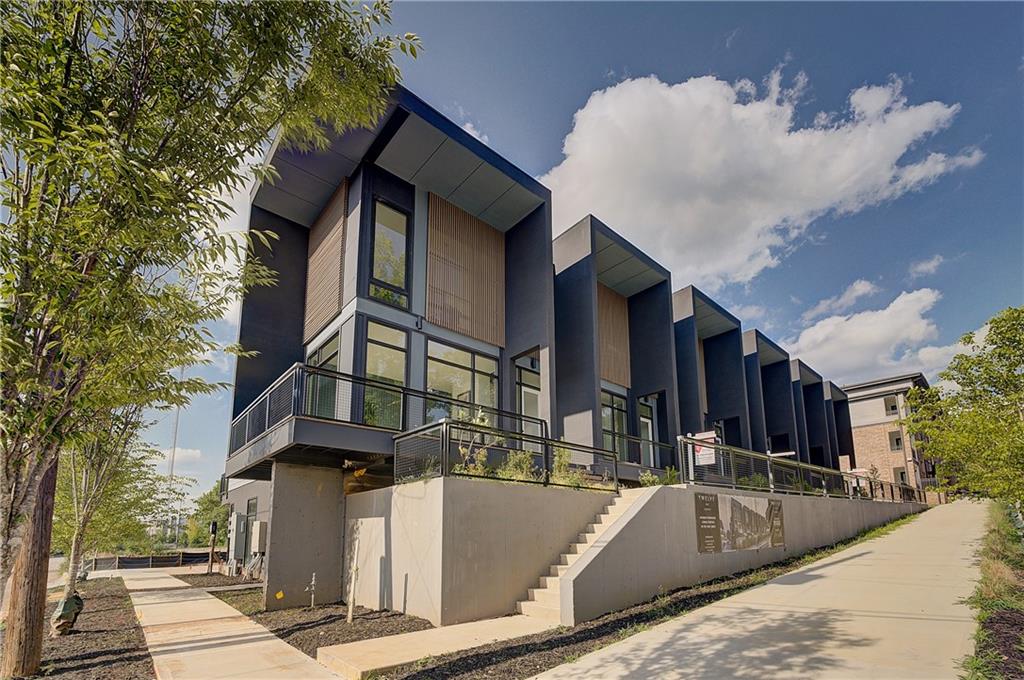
(887, 608)
(193, 635)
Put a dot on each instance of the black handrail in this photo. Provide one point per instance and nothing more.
(299, 405)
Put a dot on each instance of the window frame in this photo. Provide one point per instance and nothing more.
(623, 451)
(404, 350)
(473, 370)
(371, 279)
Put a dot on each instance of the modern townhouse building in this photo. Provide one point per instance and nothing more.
(882, 444)
(811, 421)
(414, 284)
(425, 332)
(773, 422)
(710, 368)
(615, 356)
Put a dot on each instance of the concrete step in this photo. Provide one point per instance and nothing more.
(549, 597)
(568, 558)
(558, 569)
(588, 538)
(549, 582)
(538, 611)
(578, 548)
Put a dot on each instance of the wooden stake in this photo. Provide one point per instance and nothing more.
(354, 572)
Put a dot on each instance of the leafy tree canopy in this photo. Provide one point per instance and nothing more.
(975, 429)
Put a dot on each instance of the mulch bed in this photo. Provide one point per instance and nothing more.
(1004, 640)
(107, 643)
(309, 629)
(204, 580)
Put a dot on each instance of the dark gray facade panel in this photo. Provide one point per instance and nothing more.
(727, 385)
(529, 304)
(651, 356)
(844, 430)
(691, 421)
(779, 413)
(817, 425)
(576, 353)
(803, 448)
(755, 402)
(833, 439)
(272, 316)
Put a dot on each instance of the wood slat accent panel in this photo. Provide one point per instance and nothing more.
(613, 336)
(465, 273)
(325, 270)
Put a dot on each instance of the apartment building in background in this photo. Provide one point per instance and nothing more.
(881, 442)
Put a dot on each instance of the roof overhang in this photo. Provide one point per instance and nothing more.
(710, 317)
(620, 265)
(419, 145)
(798, 370)
(835, 393)
(767, 351)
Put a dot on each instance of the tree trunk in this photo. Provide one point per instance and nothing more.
(74, 563)
(26, 619)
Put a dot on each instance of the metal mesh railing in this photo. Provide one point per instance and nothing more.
(464, 449)
(340, 397)
(643, 452)
(720, 465)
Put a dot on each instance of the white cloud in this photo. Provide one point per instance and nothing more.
(717, 179)
(469, 127)
(842, 302)
(877, 342)
(182, 457)
(749, 312)
(926, 267)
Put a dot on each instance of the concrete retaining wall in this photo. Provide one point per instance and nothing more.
(453, 550)
(652, 548)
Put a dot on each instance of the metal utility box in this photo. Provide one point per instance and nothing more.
(236, 537)
(259, 537)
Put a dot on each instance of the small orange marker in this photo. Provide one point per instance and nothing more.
(279, 594)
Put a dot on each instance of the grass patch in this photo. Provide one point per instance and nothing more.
(998, 601)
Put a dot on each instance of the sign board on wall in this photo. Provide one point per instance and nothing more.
(704, 455)
(726, 523)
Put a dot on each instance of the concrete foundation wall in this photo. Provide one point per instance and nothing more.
(306, 506)
(652, 548)
(452, 550)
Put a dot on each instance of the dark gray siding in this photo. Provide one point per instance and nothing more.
(726, 382)
(755, 402)
(779, 413)
(803, 449)
(817, 425)
(272, 316)
(576, 352)
(651, 357)
(691, 420)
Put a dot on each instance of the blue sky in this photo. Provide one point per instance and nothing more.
(864, 207)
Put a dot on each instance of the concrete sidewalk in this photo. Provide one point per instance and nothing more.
(192, 635)
(887, 608)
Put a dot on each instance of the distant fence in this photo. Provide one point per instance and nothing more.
(179, 559)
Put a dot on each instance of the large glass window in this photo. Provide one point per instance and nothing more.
(460, 375)
(385, 362)
(389, 273)
(528, 398)
(613, 422)
(647, 410)
(322, 390)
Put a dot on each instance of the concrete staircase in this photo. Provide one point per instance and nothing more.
(543, 602)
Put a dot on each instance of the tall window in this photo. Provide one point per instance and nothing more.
(463, 375)
(322, 389)
(647, 409)
(891, 406)
(385, 362)
(613, 422)
(895, 441)
(528, 398)
(389, 273)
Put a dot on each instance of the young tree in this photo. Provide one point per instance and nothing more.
(123, 124)
(975, 431)
(108, 491)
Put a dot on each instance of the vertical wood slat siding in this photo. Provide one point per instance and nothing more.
(325, 270)
(465, 273)
(613, 336)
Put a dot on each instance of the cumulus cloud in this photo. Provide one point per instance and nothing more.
(718, 179)
(469, 127)
(878, 342)
(182, 456)
(926, 267)
(842, 302)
